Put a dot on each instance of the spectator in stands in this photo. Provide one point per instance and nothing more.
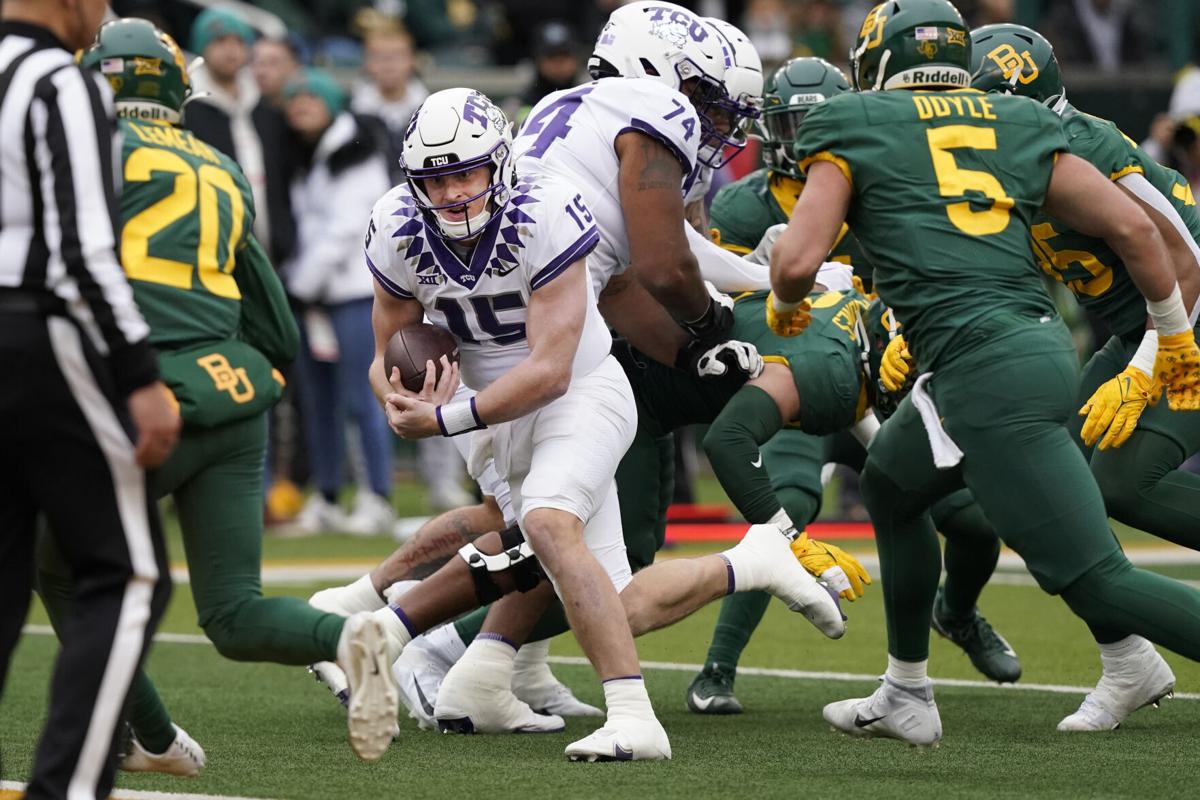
(275, 62)
(768, 25)
(557, 65)
(341, 173)
(1097, 32)
(391, 91)
(231, 115)
(818, 30)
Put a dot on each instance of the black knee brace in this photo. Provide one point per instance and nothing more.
(515, 557)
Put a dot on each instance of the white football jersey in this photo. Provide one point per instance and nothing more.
(571, 134)
(484, 301)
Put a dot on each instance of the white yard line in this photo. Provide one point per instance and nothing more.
(673, 666)
(135, 794)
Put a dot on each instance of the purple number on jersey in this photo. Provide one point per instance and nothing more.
(553, 122)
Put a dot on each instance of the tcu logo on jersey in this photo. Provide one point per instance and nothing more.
(675, 26)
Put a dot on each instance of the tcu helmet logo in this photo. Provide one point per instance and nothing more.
(481, 111)
(1014, 65)
(675, 26)
(439, 161)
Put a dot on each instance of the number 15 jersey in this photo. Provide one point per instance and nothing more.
(482, 297)
(945, 187)
(572, 134)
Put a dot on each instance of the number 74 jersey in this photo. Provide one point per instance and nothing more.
(945, 186)
(482, 297)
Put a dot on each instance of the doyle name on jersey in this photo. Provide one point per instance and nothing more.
(482, 299)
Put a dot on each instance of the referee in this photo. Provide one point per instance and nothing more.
(82, 408)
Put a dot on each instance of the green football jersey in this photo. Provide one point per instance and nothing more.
(743, 210)
(186, 213)
(945, 187)
(826, 360)
(1086, 265)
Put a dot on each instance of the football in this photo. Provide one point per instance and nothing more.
(409, 349)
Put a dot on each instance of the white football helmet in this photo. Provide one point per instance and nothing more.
(669, 44)
(743, 82)
(453, 131)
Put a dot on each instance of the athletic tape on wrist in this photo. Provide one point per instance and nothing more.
(783, 305)
(460, 417)
(1147, 351)
(1169, 315)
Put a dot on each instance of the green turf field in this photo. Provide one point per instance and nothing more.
(271, 732)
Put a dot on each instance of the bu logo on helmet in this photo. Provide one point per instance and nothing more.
(1010, 62)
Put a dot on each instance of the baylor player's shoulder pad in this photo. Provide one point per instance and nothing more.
(1102, 143)
(829, 128)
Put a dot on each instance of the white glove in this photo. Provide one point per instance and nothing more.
(712, 362)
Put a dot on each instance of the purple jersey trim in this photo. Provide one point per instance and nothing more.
(390, 286)
(640, 126)
(581, 247)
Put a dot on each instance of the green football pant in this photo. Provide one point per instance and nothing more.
(1004, 401)
(1141, 481)
(215, 478)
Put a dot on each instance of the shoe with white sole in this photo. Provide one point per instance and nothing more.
(763, 560)
(371, 515)
(623, 739)
(533, 683)
(371, 714)
(1135, 681)
(318, 516)
(893, 712)
(184, 757)
(330, 675)
(476, 700)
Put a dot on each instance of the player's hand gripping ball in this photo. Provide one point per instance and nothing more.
(411, 347)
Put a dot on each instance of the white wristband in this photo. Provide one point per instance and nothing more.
(1168, 314)
(460, 417)
(1147, 351)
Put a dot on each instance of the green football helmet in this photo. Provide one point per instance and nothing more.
(144, 66)
(912, 44)
(791, 91)
(1013, 59)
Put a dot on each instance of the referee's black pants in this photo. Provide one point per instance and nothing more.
(66, 451)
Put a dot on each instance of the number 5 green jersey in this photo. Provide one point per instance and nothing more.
(945, 188)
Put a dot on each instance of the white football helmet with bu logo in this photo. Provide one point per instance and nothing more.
(454, 131)
(669, 44)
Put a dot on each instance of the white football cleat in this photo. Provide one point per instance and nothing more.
(623, 739)
(892, 711)
(371, 714)
(468, 702)
(184, 757)
(763, 560)
(535, 684)
(331, 676)
(1136, 681)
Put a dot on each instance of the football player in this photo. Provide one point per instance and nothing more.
(503, 262)
(742, 213)
(940, 184)
(1142, 442)
(222, 325)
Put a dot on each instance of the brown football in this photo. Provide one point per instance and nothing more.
(409, 349)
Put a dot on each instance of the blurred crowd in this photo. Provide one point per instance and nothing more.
(318, 151)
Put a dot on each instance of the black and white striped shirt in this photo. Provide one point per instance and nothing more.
(57, 209)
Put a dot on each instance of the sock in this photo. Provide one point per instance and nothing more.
(398, 629)
(626, 697)
(360, 596)
(1124, 648)
(492, 656)
(740, 615)
(532, 656)
(148, 716)
(907, 673)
